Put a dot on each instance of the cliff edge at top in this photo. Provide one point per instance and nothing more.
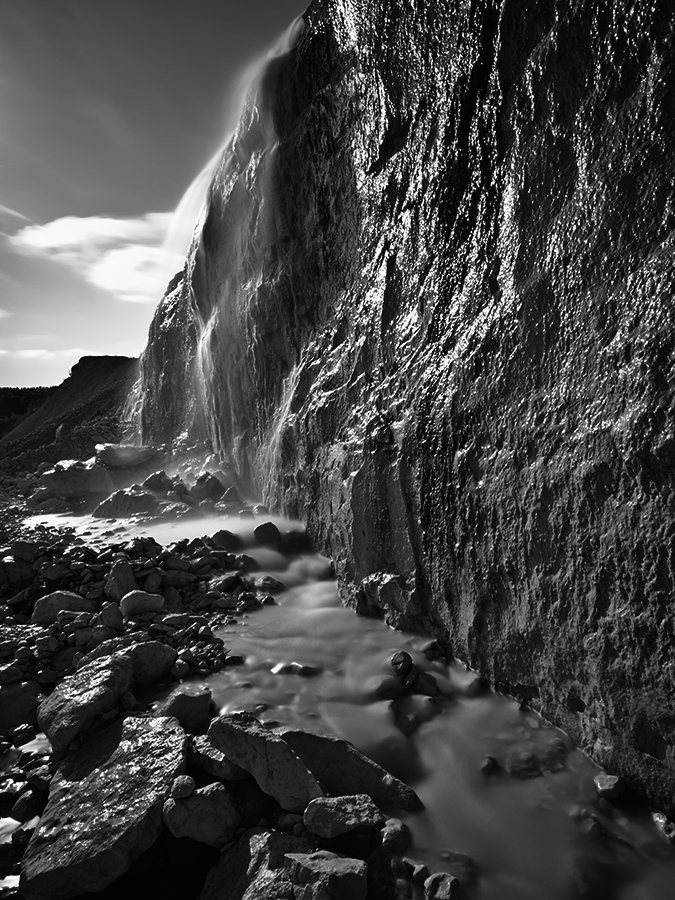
(430, 312)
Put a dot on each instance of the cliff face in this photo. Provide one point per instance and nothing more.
(430, 312)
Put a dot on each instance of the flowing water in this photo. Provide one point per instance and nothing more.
(531, 838)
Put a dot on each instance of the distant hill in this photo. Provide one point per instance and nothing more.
(17, 402)
(85, 409)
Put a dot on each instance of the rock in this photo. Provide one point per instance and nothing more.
(489, 765)
(110, 617)
(19, 704)
(81, 698)
(254, 868)
(296, 668)
(609, 787)
(345, 770)
(339, 878)
(182, 787)
(47, 608)
(159, 482)
(271, 761)
(267, 533)
(204, 754)
(136, 603)
(404, 668)
(226, 540)
(73, 478)
(207, 487)
(111, 793)
(126, 456)
(152, 660)
(208, 815)
(127, 502)
(442, 886)
(329, 816)
(120, 580)
(269, 585)
(460, 865)
(190, 705)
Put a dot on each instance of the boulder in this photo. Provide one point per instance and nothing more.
(126, 456)
(159, 482)
(254, 868)
(151, 660)
(128, 502)
(47, 608)
(271, 761)
(120, 580)
(267, 533)
(325, 874)
(82, 697)
(442, 886)
(226, 540)
(207, 487)
(329, 816)
(191, 705)
(19, 704)
(136, 603)
(110, 794)
(209, 815)
(345, 770)
(204, 754)
(73, 478)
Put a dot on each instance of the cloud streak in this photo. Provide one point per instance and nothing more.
(122, 256)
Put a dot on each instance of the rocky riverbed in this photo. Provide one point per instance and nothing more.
(187, 707)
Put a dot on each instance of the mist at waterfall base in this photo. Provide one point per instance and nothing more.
(530, 837)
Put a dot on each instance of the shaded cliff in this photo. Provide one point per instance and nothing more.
(430, 312)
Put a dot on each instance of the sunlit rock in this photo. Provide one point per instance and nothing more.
(136, 603)
(128, 502)
(345, 770)
(325, 874)
(330, 816)
(271, 761)
(105, 808)
(74, 706)
(74, 478)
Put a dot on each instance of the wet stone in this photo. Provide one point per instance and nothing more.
(330, 816)
(111, 792)
(442, 886)
(208, 814)
(191, 705)
(609, 787)
(215, 762)
(271, 761)
(327, 875)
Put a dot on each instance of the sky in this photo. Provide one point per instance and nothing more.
(108, 111)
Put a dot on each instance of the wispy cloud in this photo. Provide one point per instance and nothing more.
(11, 215)
(39, 353)
(4, 313)
(122, 256)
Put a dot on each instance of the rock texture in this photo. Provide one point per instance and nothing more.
(104, 809)
(445, 339)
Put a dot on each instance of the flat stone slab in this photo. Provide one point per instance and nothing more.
(204, 754)
(345, 770)
(82, 697)
(330, 816)
(274, 765)
(105, 808)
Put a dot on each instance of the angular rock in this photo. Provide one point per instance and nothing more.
(329, 816)
(191, 705)
(127, 502)
(158, 482)
(47, 608)
(207, 487)
(271, 761)
(442, 886)
(325, 874)
(151, 660)
(610, 787)
(120, 580)
(209, 815)
(226, 540)
(73, 478)
(204, 754)
(82, 697)
(135, 603)
(267, 533)
(345, 770)
(255, 868)
(110, 793)
(110, 617)
(19, 704)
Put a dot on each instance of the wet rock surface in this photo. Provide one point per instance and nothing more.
(104, 809)
(460, 376)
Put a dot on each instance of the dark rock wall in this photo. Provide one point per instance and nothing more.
(431, 314)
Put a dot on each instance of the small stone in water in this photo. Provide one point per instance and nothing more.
(442, 886)
(402, 663)
(489, 765)
(267, 533)
(610, 787)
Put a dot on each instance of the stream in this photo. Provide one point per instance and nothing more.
(543, 836)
